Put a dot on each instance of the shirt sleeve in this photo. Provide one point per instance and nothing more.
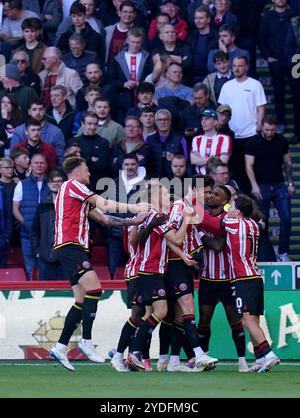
(18, 192)
(79, 191)
(231, 225)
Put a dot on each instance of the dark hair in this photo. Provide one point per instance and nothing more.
(208, 181)
(14, 4)
(18, 152)
(77, 8)
(227, 28)
(101, 99)
(71, 163)
(36, 101)
(226, 191)
(128, 3)
(147, 109)
(131, 156)
(56, 173)
(245, 205)
(145, 87)
(71, 144)
(163, 14)
(269, 119)
(15, 116)
(204, 9)
(31, 122)
(220, 56)
(91, 87)
(87, 114)
(31, 23)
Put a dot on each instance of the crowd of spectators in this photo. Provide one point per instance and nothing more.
(141, 89)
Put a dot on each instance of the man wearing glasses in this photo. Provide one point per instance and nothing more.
(42, 233)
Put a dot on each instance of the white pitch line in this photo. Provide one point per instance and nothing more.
(79, 364)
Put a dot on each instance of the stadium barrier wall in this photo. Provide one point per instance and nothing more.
(32, 316)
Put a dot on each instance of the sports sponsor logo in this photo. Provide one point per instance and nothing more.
(161, 292)
(183, 287)
(86, 264)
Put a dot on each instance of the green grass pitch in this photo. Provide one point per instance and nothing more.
(43, 379)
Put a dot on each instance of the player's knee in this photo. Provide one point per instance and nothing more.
(161, 312)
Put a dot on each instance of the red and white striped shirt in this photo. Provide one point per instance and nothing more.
(154, 253)
(215, 146)
(131, 268)
(242, 241)
(71, 218)
(216, 264)
(192, 240)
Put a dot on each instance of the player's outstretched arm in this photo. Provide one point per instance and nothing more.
(113, 221)
(108, 205)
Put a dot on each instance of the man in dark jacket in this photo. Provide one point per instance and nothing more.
(163, 146)
(202, 40)
(272, 37)
(94, 149)
(43, 230)
(61, 113)
(92, 38)
(78, 57)
(128, 69)
(129, 182)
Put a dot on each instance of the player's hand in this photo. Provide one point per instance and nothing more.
(139, 218)
(189, 261)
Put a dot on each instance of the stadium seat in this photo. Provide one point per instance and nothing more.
(99, 256)
(119, 273)
(102, 272)
(12, 274)
(15, 257)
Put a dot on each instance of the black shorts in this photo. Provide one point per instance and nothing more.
(249, 296)
(75, 261)
(212, 292)
(149, 288)
(179, 280)
(131, 284)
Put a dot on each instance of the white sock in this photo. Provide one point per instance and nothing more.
(163, 357)
(198, 351)
(242, 359)
(118, 356)
(174, 360)
(61, 347)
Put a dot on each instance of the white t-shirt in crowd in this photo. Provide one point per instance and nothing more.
(18, 192)
(243, 98)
